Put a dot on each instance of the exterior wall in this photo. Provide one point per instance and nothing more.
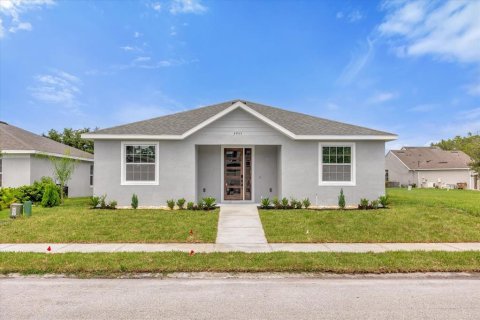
(398, 172)
(209, 169)
(297, 166)
(15, 170)
(445, 176)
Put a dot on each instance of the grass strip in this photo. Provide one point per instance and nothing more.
(114, 264)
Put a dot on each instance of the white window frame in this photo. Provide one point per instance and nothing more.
(123, 166)
(91, 174)
(352, 182)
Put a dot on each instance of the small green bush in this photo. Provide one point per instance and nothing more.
(341, 200)
(181, 203)
(276, 203)
(103, 202)
(284, 203)
(209, 203)
(190, 205)
(134, 201)
(50, 198)
(94, 201)
(384, 201)
(7, 197)
(112, 204)
(363, 204)
(298, 205)
(374, 204)
(265, 203)
(171, 204)
(306, 203)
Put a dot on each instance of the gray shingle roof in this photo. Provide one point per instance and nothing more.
(297, 123)
(14, 138)
(421, 158)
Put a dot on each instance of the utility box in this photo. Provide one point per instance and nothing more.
(27, 208)
(16, 210)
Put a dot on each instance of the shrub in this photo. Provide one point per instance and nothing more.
(134, 201)
(94, 201)
(50, 198)
(171, 204)
(284, 203)
(190, 205)
(276, 203)
(209, 203)
(306, 203)
(384, 201)
(103, 203)
(341, 200)
(363, 204)
(374, 204)
(265, 203)
(112, 204)
(295, 204)
(181, 203)
(200, 205)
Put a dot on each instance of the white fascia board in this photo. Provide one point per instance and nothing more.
(347, 137)
(442, 169)
(40, 153)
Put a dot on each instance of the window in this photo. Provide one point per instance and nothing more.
(140, 165)
(386, 175)
(337, 164)
(1, 172)
(91, 175)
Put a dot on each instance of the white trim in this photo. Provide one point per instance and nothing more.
(440, 169)
(246, 108)
(398, 159)
(44, 154)
(222, 174)
(123, 167)
(353, 164)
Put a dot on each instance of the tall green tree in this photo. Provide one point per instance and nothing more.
(469, 144)
(63, 168)
(72, 137)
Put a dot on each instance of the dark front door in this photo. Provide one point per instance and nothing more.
(233, 173)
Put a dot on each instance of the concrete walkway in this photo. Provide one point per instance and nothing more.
(240, 229)
(243, 247)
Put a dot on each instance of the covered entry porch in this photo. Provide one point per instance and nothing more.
(238, 173)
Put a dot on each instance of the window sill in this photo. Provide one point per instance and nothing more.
(139, 183)
(337, 184)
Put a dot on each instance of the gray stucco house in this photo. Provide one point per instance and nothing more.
(429, 167)
(24, 160)
(239, 151)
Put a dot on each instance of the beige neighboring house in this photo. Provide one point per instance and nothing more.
(430, 167)
(23, 160)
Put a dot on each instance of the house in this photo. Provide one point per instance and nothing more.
(24, 159)
(429, 167)
(239, 151)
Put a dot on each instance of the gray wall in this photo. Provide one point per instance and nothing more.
(265, 172)
(297, 161)
(209, 168)
(20, 170)
(397, 171)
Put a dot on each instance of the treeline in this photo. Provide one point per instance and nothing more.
(469, 144)
(72, 137)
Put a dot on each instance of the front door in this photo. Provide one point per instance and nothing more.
(237, 173)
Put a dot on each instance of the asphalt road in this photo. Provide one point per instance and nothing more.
(288, 298)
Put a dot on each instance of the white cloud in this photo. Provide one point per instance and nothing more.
(157, 6)
(131, 48)
(357, 63)
(339, 15)
(381, 97)
(12, 10)
(137, 34)
(352, 16)
(58, 87)
(474, 89)
(446, 30)
(187, 6)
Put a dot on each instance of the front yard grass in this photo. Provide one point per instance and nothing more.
(75, 222)
(420, 215)
(116, 264)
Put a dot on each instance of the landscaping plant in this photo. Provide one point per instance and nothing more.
(363, 204)
(209, 203)
(181, 203)
(276, 203)
(112, 204)
(134, 201)
(103, 203)
(63, 168)
(306, 203)
(171, 204)
(50, 196)
(341, 200)
(284, 203)
(374, 204)
(94, 201)
(191, 205)
(384, 201)
(265, 203)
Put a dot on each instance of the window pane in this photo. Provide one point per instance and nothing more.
(340, 172)
(129, 150)
(348, 151)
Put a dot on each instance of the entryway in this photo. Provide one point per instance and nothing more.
(237, 173)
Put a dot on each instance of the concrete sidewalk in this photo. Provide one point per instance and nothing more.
(251, 247)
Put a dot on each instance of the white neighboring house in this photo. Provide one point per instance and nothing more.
(23, 160)
(429, 167)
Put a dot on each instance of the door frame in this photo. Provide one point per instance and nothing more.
(222, 178)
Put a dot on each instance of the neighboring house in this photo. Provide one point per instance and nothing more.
(429, 167)
(239, 151)
(24, 159)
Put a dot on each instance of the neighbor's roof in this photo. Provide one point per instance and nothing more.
(293, 122)
(431, 158)
(15, 139)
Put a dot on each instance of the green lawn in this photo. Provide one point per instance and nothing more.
(420, 215)
(75, 222)
(115, 264)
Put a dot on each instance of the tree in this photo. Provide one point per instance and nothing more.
(63, 168)
(469, 144)
(72, 137)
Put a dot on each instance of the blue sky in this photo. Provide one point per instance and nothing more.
(412, 68)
